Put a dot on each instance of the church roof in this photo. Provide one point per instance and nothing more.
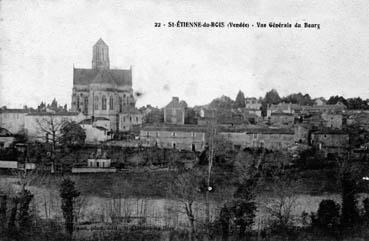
(100, 42)
(119, 77)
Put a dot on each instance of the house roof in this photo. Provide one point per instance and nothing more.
(88, 121)
(184, 128)
(281, 114)
(101, 128)
(119, 77)
(53, 114)
(5, 132)
(330, 132)
(259, 130)
(14, 111)
(175, 103)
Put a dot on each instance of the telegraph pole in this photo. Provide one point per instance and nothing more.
(210, 165)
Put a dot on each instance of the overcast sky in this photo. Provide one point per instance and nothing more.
(42, 40)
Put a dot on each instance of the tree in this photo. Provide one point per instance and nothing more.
(335, 99)
(190, 116)
(72, 134)
(281, 205)
(328, 215)
(366, 210)
(350, 214)
(240, 100)
(223, 102)
(185, 188)
(357, 104)
(68, 194)
(50, 127)
(25, 198)
(244, 206)
(298, 99)
(272, 97)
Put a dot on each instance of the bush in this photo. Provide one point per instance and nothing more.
(328, 215)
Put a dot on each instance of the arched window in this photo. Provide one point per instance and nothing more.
(96, 102)
(85, 104)
(111, 103)
(120, 104)
(78, 103)
(103, 103)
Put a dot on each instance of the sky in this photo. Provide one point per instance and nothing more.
(41, 41)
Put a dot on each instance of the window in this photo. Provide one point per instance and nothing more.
(173, 134)
(255, 136)
(120, 104)
(174, 145)
(96, 103)
(136, 119)
(103, 103)
(78, 103)
(85, 104)
(157, 134)
(111, 103)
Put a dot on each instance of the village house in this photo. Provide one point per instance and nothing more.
(6, 138)
(318, 109)
(181, 137)
(319, 101)
(281, 119)
(330, 141)
(252, 103)
(174, 112)
(302, 133)
(13, 119)
(97, 130)
(332, 120)
(360, 119)
(130, 119)
(269, 138)
(280, 108)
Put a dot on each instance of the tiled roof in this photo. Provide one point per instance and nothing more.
(53, 114)
(119, 77)
(175, 103)
(14, 111)
(330, 132)
(260, 130)
(4, 132)
(184, 128)
(89, 121)
(101, 128)
(281, 114)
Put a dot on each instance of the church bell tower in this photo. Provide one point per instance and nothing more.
(100, 55)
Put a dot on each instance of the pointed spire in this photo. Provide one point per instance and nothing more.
(100, 55)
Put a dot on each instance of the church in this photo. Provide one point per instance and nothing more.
(101, 92)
